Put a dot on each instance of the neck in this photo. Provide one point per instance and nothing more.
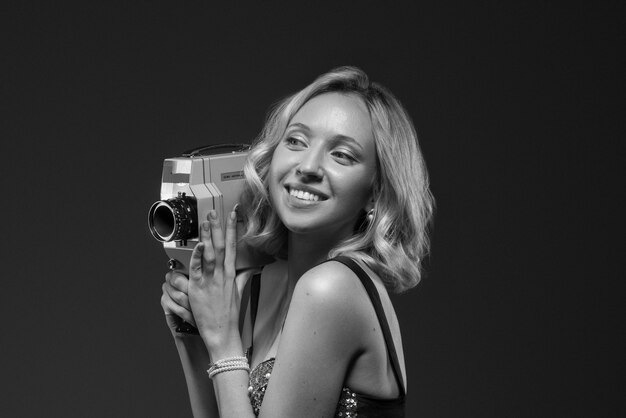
(304, 252)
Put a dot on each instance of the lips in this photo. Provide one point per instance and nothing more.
(306, 193)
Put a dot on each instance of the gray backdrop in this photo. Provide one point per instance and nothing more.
(513, 108)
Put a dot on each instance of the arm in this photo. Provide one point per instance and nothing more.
(322, 336)
(195, 359)
(214, 298)
(191, 350)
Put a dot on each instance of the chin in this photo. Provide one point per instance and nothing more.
(301, 226)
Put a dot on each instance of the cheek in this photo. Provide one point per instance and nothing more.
(357, 191)
(274, 175)
(273, 184)
(278, 164)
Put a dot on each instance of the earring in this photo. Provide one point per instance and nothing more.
(370, 215)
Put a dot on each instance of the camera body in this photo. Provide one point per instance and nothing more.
(203, 179)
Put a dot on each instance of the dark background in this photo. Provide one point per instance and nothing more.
(519, 110)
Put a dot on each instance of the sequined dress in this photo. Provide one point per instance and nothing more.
(351, 404)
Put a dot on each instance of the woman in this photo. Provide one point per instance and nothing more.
(337, 171)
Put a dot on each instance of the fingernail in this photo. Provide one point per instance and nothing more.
(212, 214)
(233, 215)
(206, 226)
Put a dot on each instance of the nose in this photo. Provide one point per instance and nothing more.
(310, 166)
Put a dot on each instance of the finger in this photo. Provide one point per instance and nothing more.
(208, 255)
(230, 254)
(178, 281)
(217, 235)
(177, 296)
(171, 308)
(172, 321)
(195, 264)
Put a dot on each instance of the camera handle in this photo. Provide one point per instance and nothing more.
(216, 149)
(183, 327)
(186, 328)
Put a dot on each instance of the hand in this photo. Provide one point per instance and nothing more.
(213, 293)
(175, 300)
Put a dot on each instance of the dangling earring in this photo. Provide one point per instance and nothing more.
(370, 215)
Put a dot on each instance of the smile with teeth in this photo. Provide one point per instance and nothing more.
(302, 195)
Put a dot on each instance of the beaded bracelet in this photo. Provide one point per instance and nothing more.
(228, 359)
(241, 366)
(228, 364)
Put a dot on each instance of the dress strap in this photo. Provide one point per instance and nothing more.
(372, 292)
(255, 291)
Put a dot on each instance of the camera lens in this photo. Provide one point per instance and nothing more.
(173, 219)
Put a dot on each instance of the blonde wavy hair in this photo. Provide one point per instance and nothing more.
(394, 243)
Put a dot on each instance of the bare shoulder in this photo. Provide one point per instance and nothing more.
(329, 284)
(326, 315)
(331, 297)
(323, 333)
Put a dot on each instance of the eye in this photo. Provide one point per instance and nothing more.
(343, 157)
(293, 142)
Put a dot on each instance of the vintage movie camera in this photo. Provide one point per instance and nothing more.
(203, 179)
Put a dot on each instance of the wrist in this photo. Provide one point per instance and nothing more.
(227, 365)
(231, 347)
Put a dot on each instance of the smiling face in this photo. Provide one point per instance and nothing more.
(323, 169)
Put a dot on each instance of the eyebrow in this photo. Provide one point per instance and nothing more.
(335, 138)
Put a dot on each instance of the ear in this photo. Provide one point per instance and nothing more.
(371, 202)
(369, 205)
(374, 192)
